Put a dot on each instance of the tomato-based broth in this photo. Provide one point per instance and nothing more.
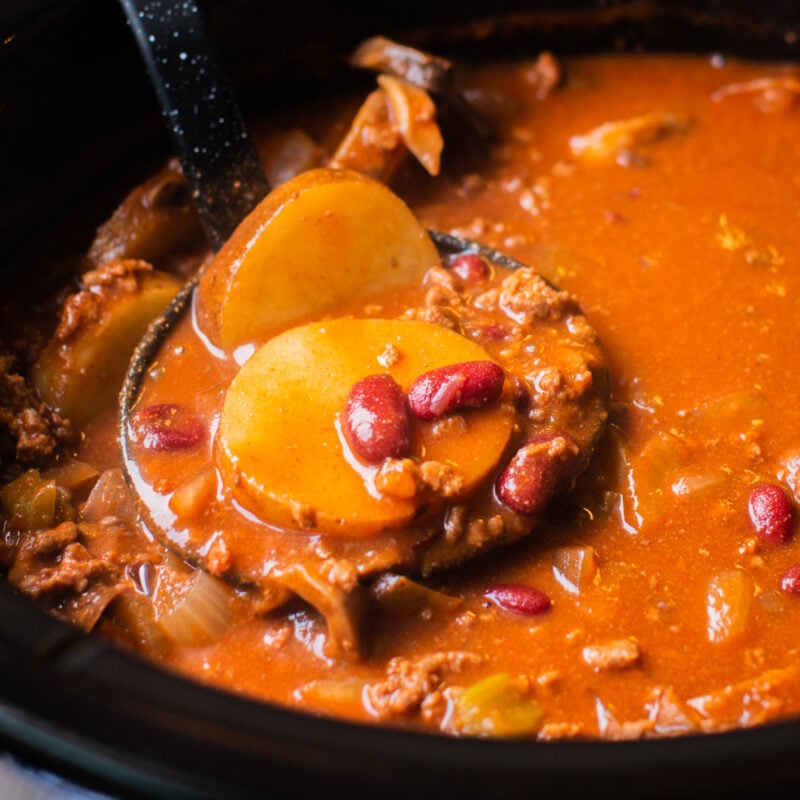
(576, 514)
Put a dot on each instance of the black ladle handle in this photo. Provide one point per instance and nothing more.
(215, 151)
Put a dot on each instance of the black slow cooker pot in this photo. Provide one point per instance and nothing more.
(79, 124)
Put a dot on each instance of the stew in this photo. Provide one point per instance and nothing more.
(371, 479)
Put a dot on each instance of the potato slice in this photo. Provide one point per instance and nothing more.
(279, 445)
(321, 239)
(80, 371)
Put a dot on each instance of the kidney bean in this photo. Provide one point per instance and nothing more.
(535, 472)
(771, 513)
(519, 598)
(470, 267)
(470, 384)
(166, 426)
(790, 582)
(376, 421)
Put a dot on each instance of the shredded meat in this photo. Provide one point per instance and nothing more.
(30, 430)
(409, 682)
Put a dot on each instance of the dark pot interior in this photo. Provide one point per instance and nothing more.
(78, 124)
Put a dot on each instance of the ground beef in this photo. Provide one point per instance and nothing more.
(121, 276)
(30, 431)
(76, 569)
(409, 682)
(619, 654)
(525, 297)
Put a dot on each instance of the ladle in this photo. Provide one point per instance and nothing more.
(215, 150)
(218, 158)
(220, 162)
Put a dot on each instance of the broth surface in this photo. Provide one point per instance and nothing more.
(683, 247)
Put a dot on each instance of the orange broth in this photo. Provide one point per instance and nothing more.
(686, 260)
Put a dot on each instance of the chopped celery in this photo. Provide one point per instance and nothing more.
(495, 707)
(30, 501)
(332, 692)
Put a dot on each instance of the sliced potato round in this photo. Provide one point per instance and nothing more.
(322, 238)
(81, 369)
(280, 447)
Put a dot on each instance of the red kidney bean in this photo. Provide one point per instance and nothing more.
(441, 391)
(535, 473)
(376, 421)
(771, 513)
(470, 267)
(166, 426)
(520, 599)
(790, 582)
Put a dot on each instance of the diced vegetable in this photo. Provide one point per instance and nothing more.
(109, 497)
(401, 596)
(200, 615)
(30, 501)
(575, 568)
(649, 479)
(729, 605)
(136, 614)
(373, 145)
(415, 114)
(494, 707)
(75, 476)
(190, 499)
(332, 693)
(80, 371)
(321, 239)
